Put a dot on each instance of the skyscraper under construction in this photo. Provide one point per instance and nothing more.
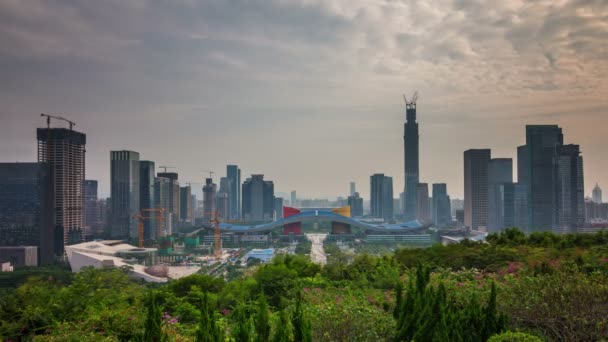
(410, 141)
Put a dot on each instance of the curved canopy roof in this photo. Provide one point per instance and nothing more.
(319, 215)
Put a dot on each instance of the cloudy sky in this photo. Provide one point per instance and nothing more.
(307, 92)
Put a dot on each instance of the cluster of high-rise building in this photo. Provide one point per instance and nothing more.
(50, 204)
(548, 194)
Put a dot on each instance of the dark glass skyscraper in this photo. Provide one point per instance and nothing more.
(442, 211)
(258, 199)
(570, 189)
(25, 207)
(124, 178)
(476, 188)
(410, 141)
(381, 200)
(500, 172)
(541, 144)
(147, 174)
(234, 197)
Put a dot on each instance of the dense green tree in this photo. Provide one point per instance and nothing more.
(153, 325)
(262, 320)
(301, 324)
(242, 330)
(281, 330)
(207, 330)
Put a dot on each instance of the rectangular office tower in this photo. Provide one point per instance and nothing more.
(63, 150)
(162, 189)
(185, 205)
(381, 200)
(124, 194)
(442, 209)
(234, 196)
(570, 189)
(258, 199)
(172, 210)
(476, 189)
(147, 177)
(356, 205)
(209, 200)
(25, 207)
(500, 172)
(423, 210)
(541, 145)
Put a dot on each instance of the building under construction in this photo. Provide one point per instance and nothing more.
(63, 150)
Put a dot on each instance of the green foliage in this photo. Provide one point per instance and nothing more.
(300, 322)
(428, 314)
(551, 285)
(242, 329)
(511, 336)
(565, 304)
(276, 281)
(282, 331)
(152, 330)
(262, 320)
(208, 329)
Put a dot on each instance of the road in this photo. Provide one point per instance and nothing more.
(317, 253)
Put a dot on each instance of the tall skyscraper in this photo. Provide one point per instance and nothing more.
(63, 150)
(523, 163)
(258, 199)
(278, 208)
(541, 145)
(173, 210)
(514, 205)
(570, 189)
(442, 212)
(234, 196)
(227, 188)
(223, 205)
(147, 195)
(162, 190)
(353, 188)
(381, 200)
(476, 188)
(26, 213)
(423, 212)
(91, 206)
(597, 194)
(356, 205)
(125, 186)
(185, 205)
(209, 200)
(410, 141)
(293, 199)
(500, 172)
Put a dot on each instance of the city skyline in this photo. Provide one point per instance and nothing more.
(223, 97)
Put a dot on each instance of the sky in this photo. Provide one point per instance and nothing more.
(307, 92)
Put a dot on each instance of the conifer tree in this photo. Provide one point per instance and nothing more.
(153, 324)
(242, 331)
(281, 331)
(262, 321)
(398, 300)
(301, 325)
(207, 330)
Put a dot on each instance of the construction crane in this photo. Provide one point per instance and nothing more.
(166, 167)
(217, 245)
(159, 218)
(49, 117)
(209, 172)
(412, 103)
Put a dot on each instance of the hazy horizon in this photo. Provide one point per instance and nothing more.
(308, 92)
